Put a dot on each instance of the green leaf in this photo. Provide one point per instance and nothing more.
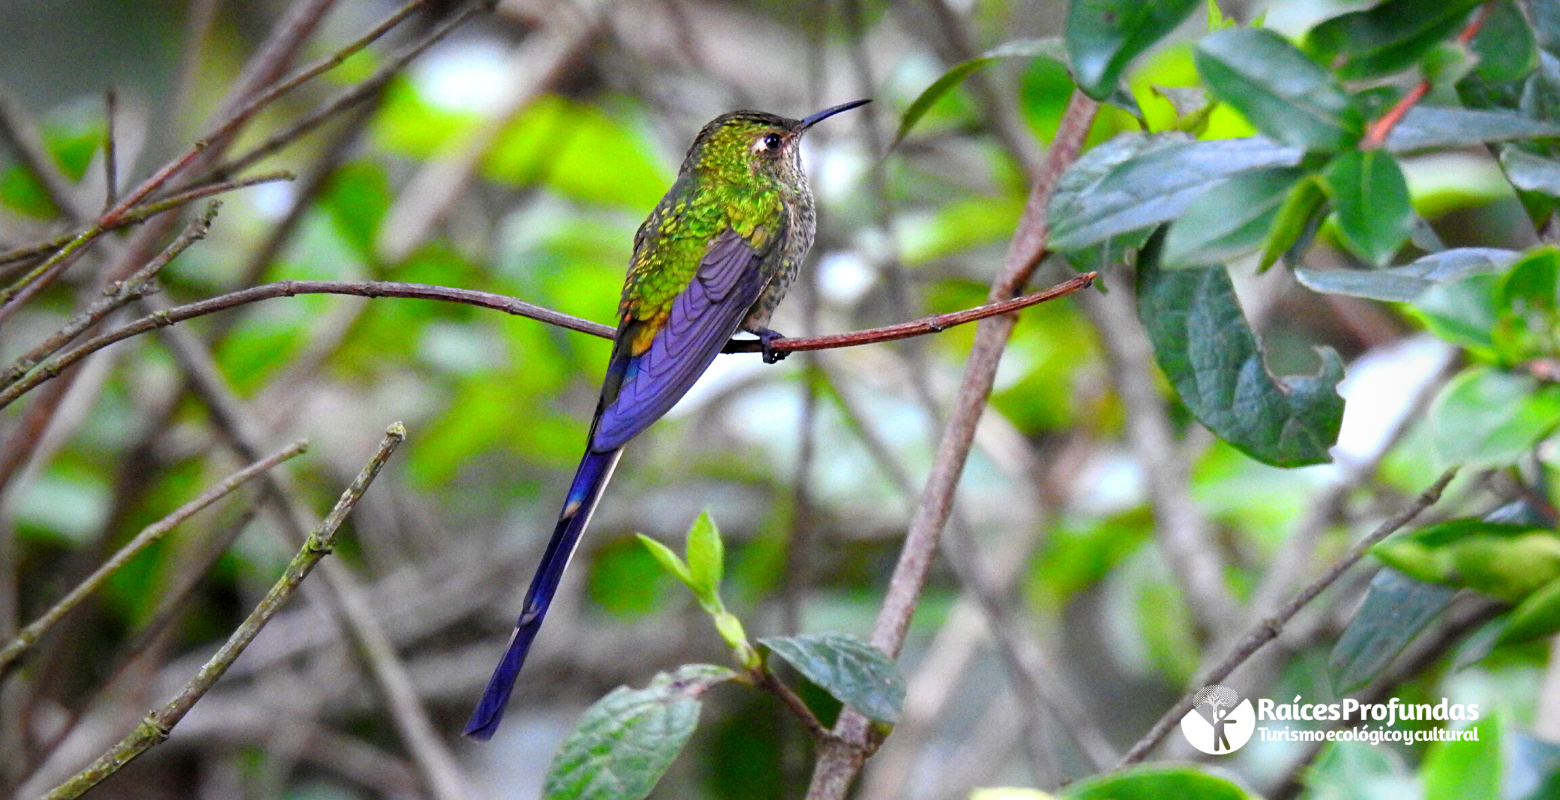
(1530, 283)
(706, 557)
(1049, 47)
(668, 560)
(850, 670)
(1136, 181)
(1529, 172)
(628, 739)
(1427, 127)
(1206, 349)
(1103, 36)
(1155, 782)
(1370, 199)
(1295, 222)
(1386, 38)
(1230, 219)
(1537, 616)
(1488, 417)
(1406, 283)
(1505, 45)
(1278, 89)
(1396, 610)
(1462, 312)
(1504, 560)
(1465, 770)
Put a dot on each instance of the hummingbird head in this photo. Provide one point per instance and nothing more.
(744, 145)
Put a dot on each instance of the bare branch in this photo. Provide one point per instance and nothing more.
(509, 305)
(1269, 629)
(148, 536)
(839, 762)
(117, 297)
(160, 722)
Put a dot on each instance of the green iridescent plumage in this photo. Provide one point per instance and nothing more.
(715, 256)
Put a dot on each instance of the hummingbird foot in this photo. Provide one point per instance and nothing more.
(766, 339)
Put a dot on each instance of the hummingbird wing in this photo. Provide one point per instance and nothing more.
(643, 386)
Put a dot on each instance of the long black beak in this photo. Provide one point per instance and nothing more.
(829, 112)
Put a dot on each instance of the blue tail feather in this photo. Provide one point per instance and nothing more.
(591, 477)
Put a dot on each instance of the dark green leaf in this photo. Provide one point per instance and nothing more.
(1386, 38)
(626, 741)
(1396, 609)
(1230, 219)
(1370, 199)
(1529, 172)
(1024, 48)
(1278, 89)
(849, 669)
(1507, 561)
(1406, 283)
(1504, 45)
(1488, 417)
(1465, 770)
(1537, 616)
(1296, 221)
(1103, 36)
(1424, 128)
(1206, 349)
(1135, 181)
(1155, 783)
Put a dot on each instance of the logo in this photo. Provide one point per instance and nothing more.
(1220, 721)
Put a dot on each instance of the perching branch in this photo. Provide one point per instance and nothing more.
(1269, 629)
(148, 536)
(157, 725)
(509, 305)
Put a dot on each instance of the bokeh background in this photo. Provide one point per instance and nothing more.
(518, 157)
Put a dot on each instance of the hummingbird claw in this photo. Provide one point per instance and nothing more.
(766, 339)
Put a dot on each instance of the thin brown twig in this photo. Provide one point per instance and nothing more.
(110, 149)
(137, 215)
(54, 366)
(1376, 134)
(160, 722)
(151, 534)
(839, 761)
(345, 595)
(766, 680)
(346, 99)
(118, 295)
(1267, 630)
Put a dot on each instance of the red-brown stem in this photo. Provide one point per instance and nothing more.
(54, 366)
(1376, 134)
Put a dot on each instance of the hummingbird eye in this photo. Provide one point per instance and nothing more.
(772, 141)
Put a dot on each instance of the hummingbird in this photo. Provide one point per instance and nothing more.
(715, 256)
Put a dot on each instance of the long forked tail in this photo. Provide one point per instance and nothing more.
(591, 477)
